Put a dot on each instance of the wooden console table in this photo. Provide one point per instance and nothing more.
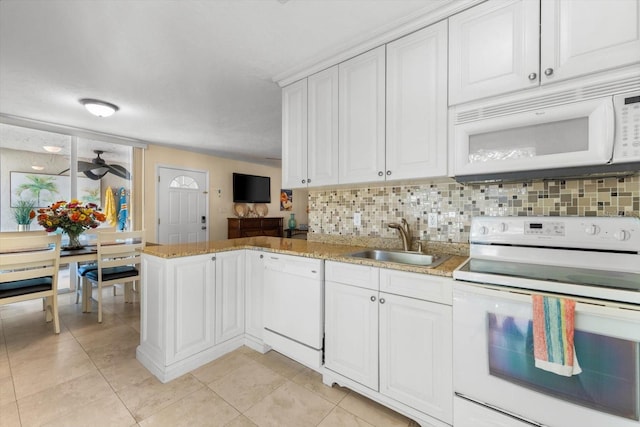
(250, 227)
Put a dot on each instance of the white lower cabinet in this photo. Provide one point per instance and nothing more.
(192, 311)
(230, 279)
(383, 340)
(351, 332)
(177, 321)
(254, 283)
(415, 354)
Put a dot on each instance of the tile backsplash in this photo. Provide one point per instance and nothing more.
(331, 210)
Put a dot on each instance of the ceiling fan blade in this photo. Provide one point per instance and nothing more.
(86, 166)
(82, 166)
(119, 171)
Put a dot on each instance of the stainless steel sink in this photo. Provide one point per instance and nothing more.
(401, 257)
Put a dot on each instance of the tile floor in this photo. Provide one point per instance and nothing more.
(88, 376)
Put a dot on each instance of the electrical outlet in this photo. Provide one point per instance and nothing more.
(357, 219)
(432, 220)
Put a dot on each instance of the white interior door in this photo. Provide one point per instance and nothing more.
(183, 206)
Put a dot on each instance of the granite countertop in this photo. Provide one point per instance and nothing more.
(326, 251)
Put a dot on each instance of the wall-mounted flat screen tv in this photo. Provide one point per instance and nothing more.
(251, 188)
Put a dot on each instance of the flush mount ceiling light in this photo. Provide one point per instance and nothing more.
(99, 108)
(52, 148)
(37, 167)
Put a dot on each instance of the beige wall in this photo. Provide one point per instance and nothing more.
(220, 177)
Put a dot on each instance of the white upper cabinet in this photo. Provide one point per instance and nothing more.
(294, 135)
(322, 147)
(416, 143)
(362, 117)
(503, 46)
(493, 49)
(582, 37)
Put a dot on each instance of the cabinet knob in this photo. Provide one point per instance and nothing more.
(373, 299)
(533, 76)
(309, 181)
(261, 256)
(303, 181)
(213, 258)
(388, 173)
(380, 173)
(548, 71)
(382, 300)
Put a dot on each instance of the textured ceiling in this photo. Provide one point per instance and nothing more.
(193, 74)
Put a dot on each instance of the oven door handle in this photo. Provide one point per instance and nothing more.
(601, 308)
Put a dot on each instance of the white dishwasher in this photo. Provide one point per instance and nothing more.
(294, 307)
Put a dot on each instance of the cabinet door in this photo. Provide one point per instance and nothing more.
(230, 276)
(362, 117)
(190, 306)
(416, 354)
(417, 104)
(493, 48)
(351, 332)
(322, 146)
(294, 135)
(254, 275)
(579, 38)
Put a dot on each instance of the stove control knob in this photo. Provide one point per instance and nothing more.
(503, 227)
(592, 229)
(483, 230)
(622, 235)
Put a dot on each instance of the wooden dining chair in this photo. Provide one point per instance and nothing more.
(29, 265)
(119, 255)
(85, 267)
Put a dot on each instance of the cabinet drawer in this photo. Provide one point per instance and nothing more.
(271, 222)
(422, 286)
(352, 274)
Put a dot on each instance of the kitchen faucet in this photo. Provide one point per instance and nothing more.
(405, 233)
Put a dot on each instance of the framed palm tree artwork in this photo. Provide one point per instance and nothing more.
(44, 189)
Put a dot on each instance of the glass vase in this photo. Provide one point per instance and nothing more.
(292, 221)
(74, 240)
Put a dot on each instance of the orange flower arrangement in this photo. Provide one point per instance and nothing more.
(72, 217)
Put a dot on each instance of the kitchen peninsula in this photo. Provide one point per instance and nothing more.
(200, 301)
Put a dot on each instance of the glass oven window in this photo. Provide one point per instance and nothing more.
(608, 383)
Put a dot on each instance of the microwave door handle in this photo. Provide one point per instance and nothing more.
(610, 125)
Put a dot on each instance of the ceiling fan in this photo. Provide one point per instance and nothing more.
(98, 168)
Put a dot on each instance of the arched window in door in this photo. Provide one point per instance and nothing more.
(183, 181)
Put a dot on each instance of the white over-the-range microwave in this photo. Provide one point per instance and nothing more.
(572, 132)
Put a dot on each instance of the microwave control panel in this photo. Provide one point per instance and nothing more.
(627, 129)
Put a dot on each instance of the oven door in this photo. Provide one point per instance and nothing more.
(493, 360)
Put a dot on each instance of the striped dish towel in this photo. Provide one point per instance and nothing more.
(553, 348)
